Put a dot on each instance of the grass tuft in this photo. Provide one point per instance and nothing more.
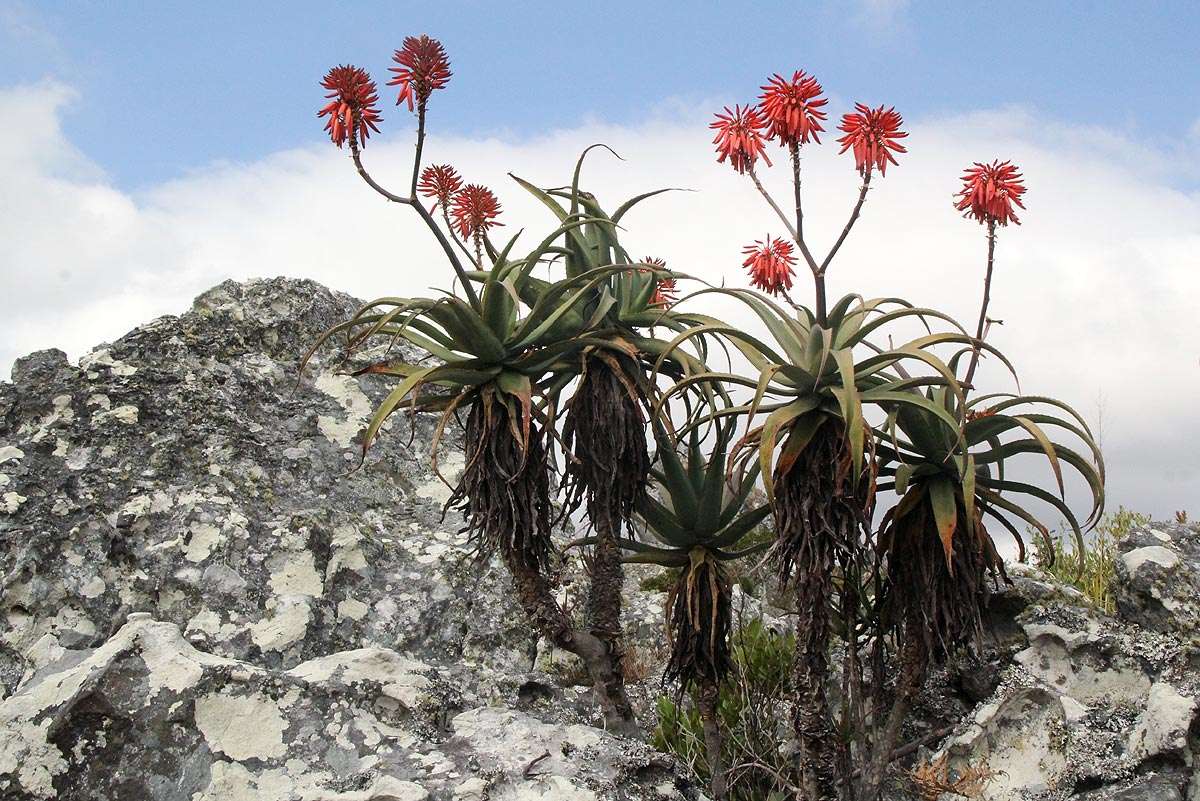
(1099, 557)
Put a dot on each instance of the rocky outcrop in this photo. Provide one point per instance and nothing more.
(321, 631)
(1158, 579)
(148, 716)
(1085, 705)
(205, 596)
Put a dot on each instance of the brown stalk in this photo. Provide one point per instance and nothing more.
(862, 197)
(412, 201)
(987, 297)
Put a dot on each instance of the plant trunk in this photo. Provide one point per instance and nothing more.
(607, 432)
(708, 700)
(505, 497)
(810, 671)
(604, 605)
(536, 597)
(818, 515)
(913, 660)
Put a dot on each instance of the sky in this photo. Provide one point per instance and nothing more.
(152, 150)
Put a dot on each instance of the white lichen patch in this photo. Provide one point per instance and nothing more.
(287, 625)
(205, 537)
(126, 414)
(103, 358)
(1058, 657)
(241, 726)
(356, 405)
(450, 464)
(352, 609)
(93, 587)
(346, 551)
(1165, 557)
(543, 788)
(400, 677)
(10, 502)
(295, 573)
(1162, 728)
(205, 621)
(11, 453)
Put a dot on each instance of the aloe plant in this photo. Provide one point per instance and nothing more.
(696, 521)
(814, 449)
(609, 409)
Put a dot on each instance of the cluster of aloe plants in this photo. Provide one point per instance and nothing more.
(595, 389)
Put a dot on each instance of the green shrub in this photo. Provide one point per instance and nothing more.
(754, 715)
(662, 581)
(1099, 557)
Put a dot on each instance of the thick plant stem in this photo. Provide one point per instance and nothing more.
(912, 675)
(707, 701)
(604, 605)
(810, 669)
(817, 515)
(987, 297)
(536, 596)
(606, 430)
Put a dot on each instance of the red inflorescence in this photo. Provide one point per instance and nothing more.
(665, 292)
(423, 68)
(771, 265)
(989, 192)
(474, 210)
(351, 109)
(740, 136)
(440, 182)
(793, 108)
(872, 133)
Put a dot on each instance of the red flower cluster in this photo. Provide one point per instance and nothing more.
(439, 181)
(740, 137)
(665, 292)
(475, 210)
(989, 192)
(351, 109)
(872, 133)
(793, 108)
(423, 68)
(771, 265)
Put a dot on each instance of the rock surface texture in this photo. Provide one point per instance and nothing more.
(203, 598)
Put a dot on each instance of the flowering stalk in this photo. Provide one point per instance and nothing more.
(987, 296)
(988, 195)
(416, 204)
(862, 197)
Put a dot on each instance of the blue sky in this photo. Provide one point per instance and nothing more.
(152, 150)
(165, 87)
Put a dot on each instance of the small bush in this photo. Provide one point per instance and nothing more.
(754, 716)
(1099, 557)
(661, 581)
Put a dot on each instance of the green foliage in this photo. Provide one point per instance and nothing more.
(752, 715)
(1091, 570)
(662, 581)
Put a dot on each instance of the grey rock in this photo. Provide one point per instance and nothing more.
(190, 473)
(146, 717)
(1158, 578)
(1151, 787)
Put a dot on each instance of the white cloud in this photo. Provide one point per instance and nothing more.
(1097, 289)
